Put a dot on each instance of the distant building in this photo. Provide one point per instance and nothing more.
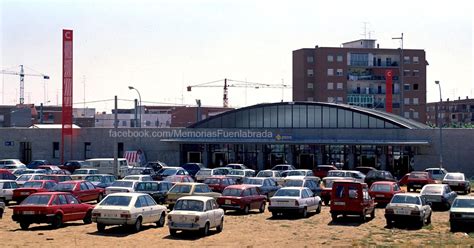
(455, 112)
(355, 74)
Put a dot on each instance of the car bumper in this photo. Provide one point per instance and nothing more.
(285, 209)
(184, 226)
(36, 218)
(231, 207)
(416, 185)
(113, 221)
(402, 218)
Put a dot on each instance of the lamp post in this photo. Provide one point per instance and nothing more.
(440, 123)
(140, 99)
(402, 84)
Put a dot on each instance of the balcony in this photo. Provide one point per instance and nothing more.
(360, 99)
(368, 78)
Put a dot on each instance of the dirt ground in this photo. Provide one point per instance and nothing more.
(254, 230)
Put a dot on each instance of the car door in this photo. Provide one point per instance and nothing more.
(78, 210)
(86, 194)
(153, 209)
(68, 209)
(142, 208)
(210, 214)
(307, 200)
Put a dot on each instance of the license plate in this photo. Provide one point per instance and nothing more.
(228, 202)
(379, 195)
(339, 203)
(24, 193)
(417, 185)
(28, 212)
(453, 184)
(110, 215)
(468, 215)
(402, 212)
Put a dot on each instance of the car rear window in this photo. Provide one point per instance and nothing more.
(434, 189)
(294, 183)
(131, 178)
(35, 185)
(211, 181)
(116, 200)
(418, 175)
(454, 177)
(125, 184)
(381, 188)
(265, 174)
(189, 205)
(36, 200)
(463, 203)
(406, 199)
(232, 192)
(253, 181)
(288, 192)
(64, 186)
(296, 173)
(181, 189)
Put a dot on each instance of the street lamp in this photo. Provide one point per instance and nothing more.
(440, 123)
(402, 84)
(140, 99)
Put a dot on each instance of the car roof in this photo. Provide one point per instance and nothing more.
(241, 186)
(133, 194)
(34, 174)
(52, 193)
(189, 183)
(297, 188)
(199, 198)
(408, 194)
(6, 180)
(75, 181)
(384, 182)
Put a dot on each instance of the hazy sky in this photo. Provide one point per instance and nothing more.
(160, 47)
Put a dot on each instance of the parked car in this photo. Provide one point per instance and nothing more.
(275, 175)
(321, 171)
(383, 191)
(437, 173)
(28, 177)
(36, 171)
(242, 198)
(16, 172)
(239, 174)
(327, 187)
(418, 179)
(35, 163)
(221, 171)
(237, 166)
(140, 178)
(82, 189)
(457, 182)
(196, 213)
(101, 180)
(300, 200)
(50, 169)
(179, 179)
(205, 173)
(106, 166)
(311, 184)
(12, 167)
(356, 175)
(141, 171)
(72, 165)
(6, 175)
(121, 186)
(186, 189)
(408, 207)
(80, 174)
(157, 190)
(192, 168)
(350, 197)
(156, 165)
(132, 209)
(378, 175)
(31, 187)
(219, 183)
(438, 195)
(283, 167)
(2, 208)
(6, 190)
(298, 173)
(54, 208)
(11, 162)
(57, 178)
(170, 171)
(60, 172)
(461, 214)
(403, 181)
(266, 185)
(364, 169)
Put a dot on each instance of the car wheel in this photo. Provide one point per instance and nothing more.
(448, 205)
(99, 198)
(262, 207)
(205, 230)
(57, 221)
(428, 220)
(334, 217)
(305, 213)
(246, 209)
(220, 227)
(138, 225)
(372, 215)
(453, 228)
(24, 225)
(389, 223)
(318, 210)
(421, 223)
(161, 221)
(100, 227)
(88, 218)
(326, 202)
(363, 216)
(173, 232)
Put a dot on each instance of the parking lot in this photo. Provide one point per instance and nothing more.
(254, 230)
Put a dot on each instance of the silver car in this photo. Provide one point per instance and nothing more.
(408, 207)
(461, 213)
(438, 194)
(457, 182)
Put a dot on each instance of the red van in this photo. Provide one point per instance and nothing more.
(351, 198)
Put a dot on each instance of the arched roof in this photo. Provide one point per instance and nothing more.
(307, 115)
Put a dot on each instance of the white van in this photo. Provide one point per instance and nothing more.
(106, 165)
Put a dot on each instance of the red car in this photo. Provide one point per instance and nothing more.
(321, 171)
(82, 189)
(179, 179)
(383, 191)
(418, 179)
(54, 208)
(6, 175)
(31, 187)
(403, 180)
(242, 197)
(351, 198)
(219, 183)
(57, 178)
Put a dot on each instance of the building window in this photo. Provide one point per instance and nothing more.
(406, 101)
(406, 73)
(330, 58)
(416, 115)
(416, 73)
(310, 86)
(124, 123)
(388, 61)
(415, 60)
(415, 101)
(310, 72)
(309, 59)
(406, 87)
(339, 72)
(147, 123)
(415, 86)
(406, 59)
(339, 86)
(331, 99)
(339, 99)
(55, 149)
(87, 150)
(359, 59)
(330, 86)
(453, 116)
(406, 114)
(330, 72)
(310, 99)
(339, 58)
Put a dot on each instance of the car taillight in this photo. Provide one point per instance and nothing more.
(126, 216)
(389, 211)
(196, 219)
(415, 212)
(95, 214)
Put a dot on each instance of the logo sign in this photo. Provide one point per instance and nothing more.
(9, 143)
(67, 83)
(388, 94)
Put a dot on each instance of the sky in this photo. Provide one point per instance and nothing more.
(160, 47)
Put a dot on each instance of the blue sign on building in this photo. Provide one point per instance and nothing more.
(9, 143)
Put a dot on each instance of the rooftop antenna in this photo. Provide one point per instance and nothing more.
(365, 30)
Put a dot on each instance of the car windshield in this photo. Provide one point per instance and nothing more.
(172, 179)
(76, 172)
(135, 171)
(253, 181)
(288, 192)
(212, 181)
(125, 184)
(381, 188)
(432, 189)
(35, 185)
(265, 174)
(463, 203)
(189, 205)
(181, 189)
(167, 172)
(64, 186)
(116, 200)
(36, 200)
(131, 178)
(232, 192)
(418, 175)
(452, 176)
(237, 172)
(24, 178)
(408, 199)
(296, 173)
(93, 178)
(336, 174)
(294, 183)
(204, 172)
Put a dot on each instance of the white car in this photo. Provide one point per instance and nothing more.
(300, 172)
(28, 177)
(408, 207)
(196, 213)
(356, 175)
(204, 173)
(121, 186)
(437, 173)
(294, 200)
(12, 162)
(6, 190)
(132, 209)
(80, 174)
(140, 178)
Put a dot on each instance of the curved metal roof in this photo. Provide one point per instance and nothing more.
(395, 120)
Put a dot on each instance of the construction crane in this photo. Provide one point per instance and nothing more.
(22, 75)
(235, 83)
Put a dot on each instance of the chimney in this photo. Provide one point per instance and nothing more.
(378, 45)
(459, 98)
(467, 97)
(447, 100)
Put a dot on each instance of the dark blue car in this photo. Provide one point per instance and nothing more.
(192, 168)
(35, 163)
